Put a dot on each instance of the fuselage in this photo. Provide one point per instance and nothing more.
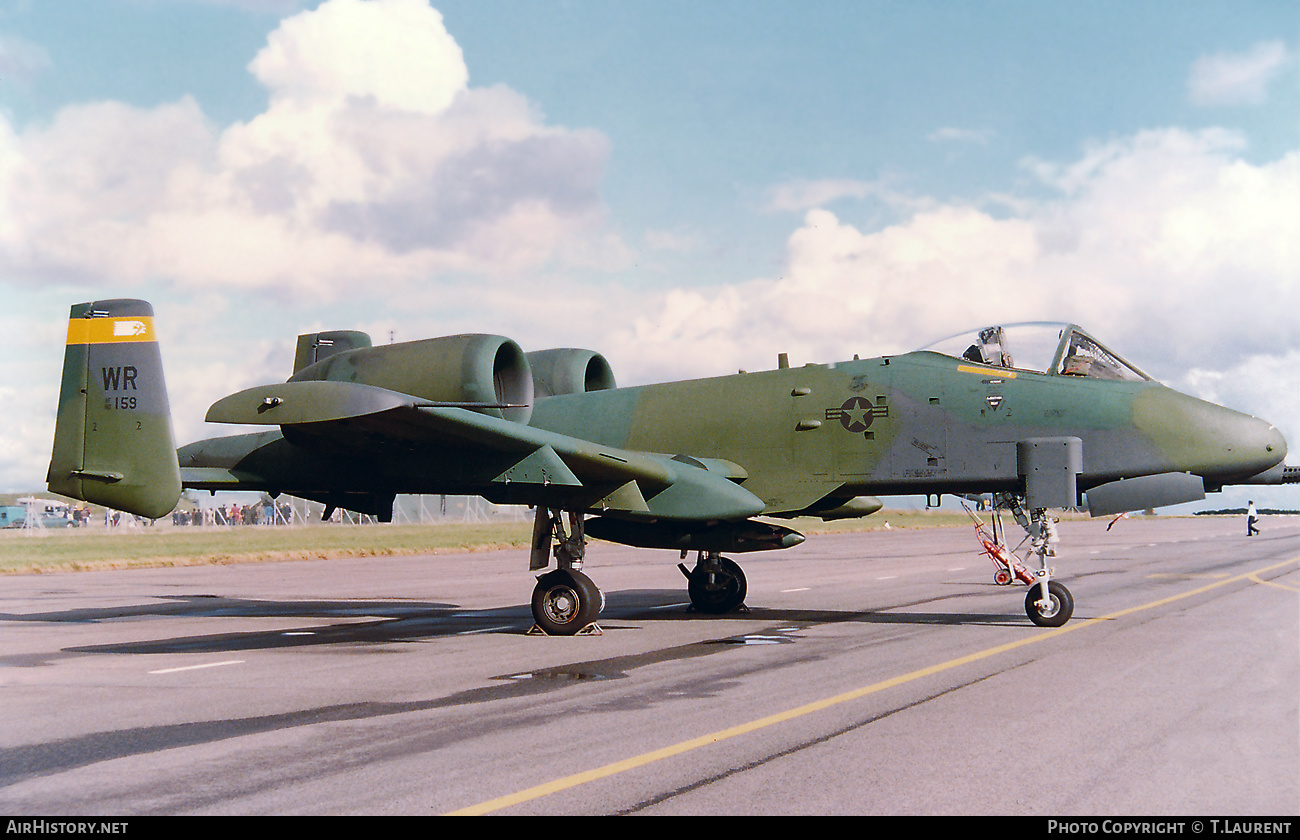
(916, 423)
(802, 440)
(1042, 410)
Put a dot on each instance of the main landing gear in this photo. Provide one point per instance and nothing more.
(1048, 603)
(565, 601)
(716, 584)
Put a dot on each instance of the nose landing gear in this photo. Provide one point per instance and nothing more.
(1048, 602)
(1054, 611)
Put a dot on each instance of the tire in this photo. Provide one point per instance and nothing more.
(1062, 605)
(717, 591)
(565, 601)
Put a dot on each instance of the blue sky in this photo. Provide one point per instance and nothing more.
(689, 187)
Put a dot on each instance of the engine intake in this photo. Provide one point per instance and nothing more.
(569, 371)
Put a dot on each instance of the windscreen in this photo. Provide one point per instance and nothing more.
(1085, 357)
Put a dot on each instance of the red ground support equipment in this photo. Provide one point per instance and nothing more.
(1008, 567)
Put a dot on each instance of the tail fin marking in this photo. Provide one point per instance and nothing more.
(113, 442)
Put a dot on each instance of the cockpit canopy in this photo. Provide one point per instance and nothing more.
(1057, 349)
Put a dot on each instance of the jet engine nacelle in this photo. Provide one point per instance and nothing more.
(569, 371)
(487, 372)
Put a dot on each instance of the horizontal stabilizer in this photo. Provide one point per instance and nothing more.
(106, 476)
(219, 478)
(290, 403)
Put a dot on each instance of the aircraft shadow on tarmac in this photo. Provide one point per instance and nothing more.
(394, 621)
(409, 621)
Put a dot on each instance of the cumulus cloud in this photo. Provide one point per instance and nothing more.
(1237, 78)
(374, 159)
(1166, 244)
(395, 51)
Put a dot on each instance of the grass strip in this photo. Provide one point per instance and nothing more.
(85, 549)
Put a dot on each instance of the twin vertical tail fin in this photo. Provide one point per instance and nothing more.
(113, 442)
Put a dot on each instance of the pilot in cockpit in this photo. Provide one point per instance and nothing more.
(989, 349)
(1052, 348)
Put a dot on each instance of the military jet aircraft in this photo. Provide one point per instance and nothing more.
(1038, 414)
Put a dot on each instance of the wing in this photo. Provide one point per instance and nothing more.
(346, 437)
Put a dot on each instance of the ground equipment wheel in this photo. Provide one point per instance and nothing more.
(717, 588)
(1003, 578)
(1057, 613)
(565, 601)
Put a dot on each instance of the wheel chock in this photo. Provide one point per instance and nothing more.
(592, 629)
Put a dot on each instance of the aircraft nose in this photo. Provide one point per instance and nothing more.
(1276, 443)
(1261, 443)
(1251, 445)
(1210, 440)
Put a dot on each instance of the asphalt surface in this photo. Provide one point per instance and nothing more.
(880, 673)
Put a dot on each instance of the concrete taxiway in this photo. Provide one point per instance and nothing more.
(881, 672)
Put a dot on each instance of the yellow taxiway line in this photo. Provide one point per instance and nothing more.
(634, 762)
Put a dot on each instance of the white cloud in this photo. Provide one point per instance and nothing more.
(1237, 78)
(1166, 244)
(950, 134)
(374, 160)
(396, 52)
(801, 195)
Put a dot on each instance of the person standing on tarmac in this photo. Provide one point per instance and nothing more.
(1251, 518)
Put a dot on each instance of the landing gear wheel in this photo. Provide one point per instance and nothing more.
(565, 601)
(1057, 613)
(717, 589)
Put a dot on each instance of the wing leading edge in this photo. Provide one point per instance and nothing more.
(354, 430)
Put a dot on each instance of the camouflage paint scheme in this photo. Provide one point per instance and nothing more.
(358, 424)
(113, 441)
(681, 465)
(919, 423)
